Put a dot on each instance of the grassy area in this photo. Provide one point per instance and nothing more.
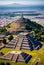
(42, 58)
(14, 36)
(5, 50)
(34, 54)
(42, 55)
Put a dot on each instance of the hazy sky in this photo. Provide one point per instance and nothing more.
(30, 2)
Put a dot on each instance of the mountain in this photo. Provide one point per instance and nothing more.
(12, 5)
(20, 5)
(15, 5)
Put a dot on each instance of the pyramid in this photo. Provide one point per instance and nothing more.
(15, 56)
(24, 41)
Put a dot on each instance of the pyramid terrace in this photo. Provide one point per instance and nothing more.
(15, 56)
(24, 41)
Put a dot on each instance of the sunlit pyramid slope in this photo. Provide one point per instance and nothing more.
(17, 57)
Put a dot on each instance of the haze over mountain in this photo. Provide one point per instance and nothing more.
(13, 5)
(21, 6)
(18, 5)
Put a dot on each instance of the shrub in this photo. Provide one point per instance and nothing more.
(2, 63)
(4, 41)
(10, 37)
(28, 27)
(3, 29)
(7, 63)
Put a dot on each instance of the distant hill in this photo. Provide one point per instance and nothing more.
(12, 5)
(20, 5)
(15, 5)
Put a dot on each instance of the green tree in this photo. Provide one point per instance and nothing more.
(38, 36)
(27, 26)
(7, 63)
(10, 37)
(2, 63)
(3, 29)
(8, 26)
(4, 41)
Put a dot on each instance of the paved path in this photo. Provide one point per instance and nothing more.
(18, 46)
(14, 58)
